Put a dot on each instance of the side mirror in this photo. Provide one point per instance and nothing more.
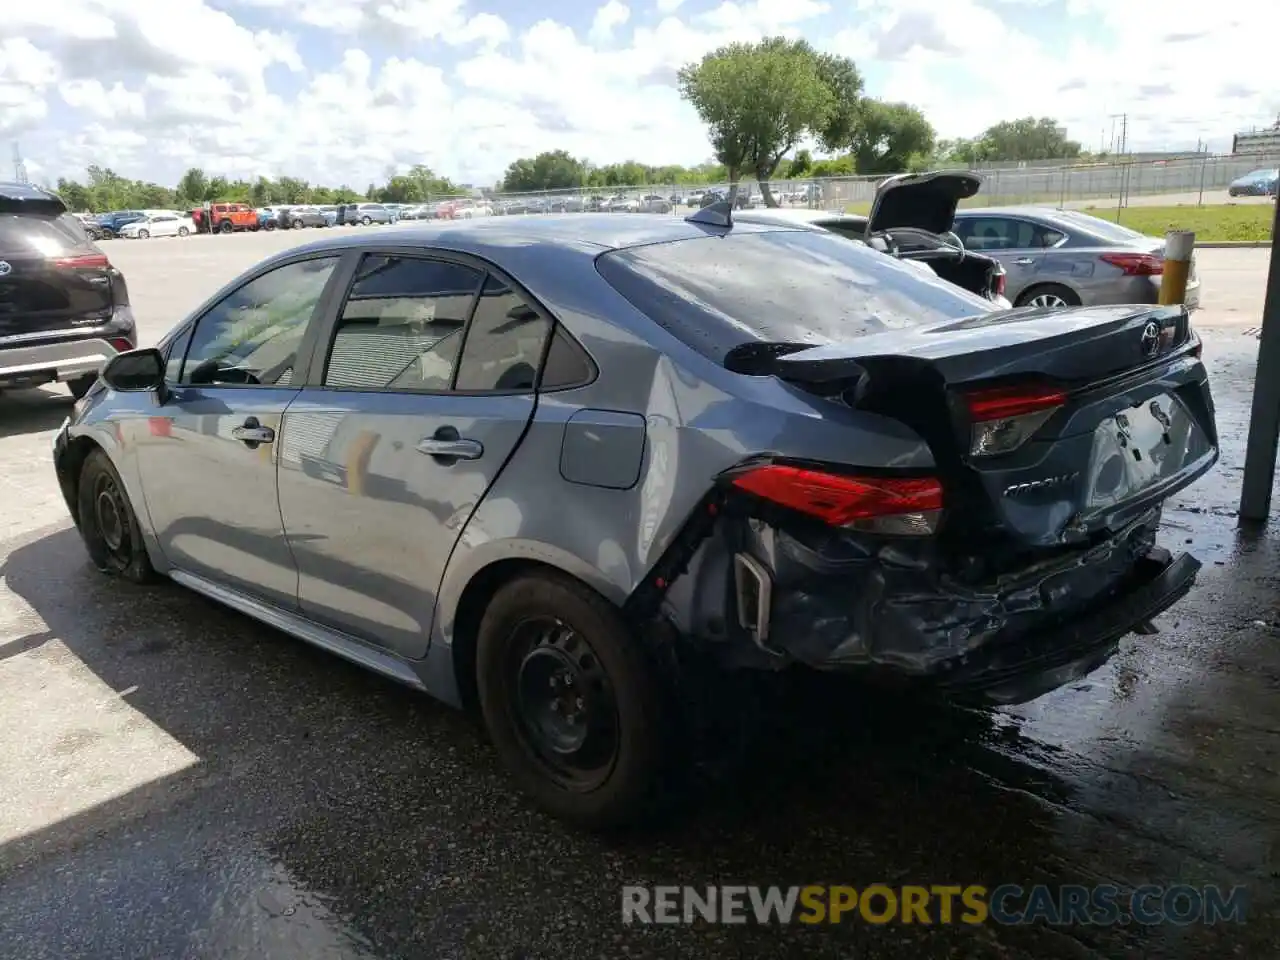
(135, 371)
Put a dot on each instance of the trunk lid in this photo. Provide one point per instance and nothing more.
(1120, 411)
(921, 201)
(51, 277)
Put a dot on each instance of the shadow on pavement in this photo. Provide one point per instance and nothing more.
(33, 411)
(325, 812)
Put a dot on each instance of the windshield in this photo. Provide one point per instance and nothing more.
(793, 286)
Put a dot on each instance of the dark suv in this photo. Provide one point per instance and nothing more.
(64, 309)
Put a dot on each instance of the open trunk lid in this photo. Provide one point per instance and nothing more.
(920, 201)
(1048, 426)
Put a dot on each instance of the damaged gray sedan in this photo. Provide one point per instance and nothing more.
(534, 466)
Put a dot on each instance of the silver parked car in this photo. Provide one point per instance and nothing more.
(1057, 258)
(544, 466)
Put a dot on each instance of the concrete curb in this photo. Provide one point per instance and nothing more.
(1231, 244)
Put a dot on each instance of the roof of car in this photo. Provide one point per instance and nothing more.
(24, 191)
(489, 237)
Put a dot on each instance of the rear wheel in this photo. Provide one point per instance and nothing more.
(80, 385)
(298, 224)
(108, 525)
(225, 227)
(571, 701)
(183, 231)
(1048, 295)
(366, 220)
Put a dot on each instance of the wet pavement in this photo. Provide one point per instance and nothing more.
(179, 782)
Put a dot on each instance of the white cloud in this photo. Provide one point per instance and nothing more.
(149, 88)
(608, 18)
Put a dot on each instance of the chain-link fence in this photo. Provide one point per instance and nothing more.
(1200, 179)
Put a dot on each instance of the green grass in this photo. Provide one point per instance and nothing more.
(1229, 221)
(1232, 221)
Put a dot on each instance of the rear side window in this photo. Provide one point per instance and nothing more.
(401, 327)
(504, 343)
(792, 286)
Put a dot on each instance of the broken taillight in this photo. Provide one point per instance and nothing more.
(1003, 418)
(1135, 264)
(900, 506)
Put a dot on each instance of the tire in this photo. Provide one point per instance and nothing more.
(183, 232)
(144, 234)
(595, 652)
(108, 524)
(298, 224)
(1047, 292)
(226, 227)
(269, 225)
(1233, 192)
(80, 385)
(365, 221)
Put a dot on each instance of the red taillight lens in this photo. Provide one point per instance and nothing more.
(909, 504)
(1002, 280)
(1001, 402)
(88, 261)
(1135, 264)
(1004, 418)
(121, 344)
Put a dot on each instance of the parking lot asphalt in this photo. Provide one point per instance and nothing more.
(177, 781)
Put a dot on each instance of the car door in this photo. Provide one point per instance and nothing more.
(208, 454)
(421, 392)
(1010, 240)
(164, 226)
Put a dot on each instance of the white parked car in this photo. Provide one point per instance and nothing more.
(160, 223)
(467, 209)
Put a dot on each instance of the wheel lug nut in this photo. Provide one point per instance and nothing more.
(578, 704)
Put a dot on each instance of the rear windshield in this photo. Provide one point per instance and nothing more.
(40, 234)
(792, 286)
(1102, 229)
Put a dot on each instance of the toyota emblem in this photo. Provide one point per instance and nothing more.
(1151, 339)
(5, 269)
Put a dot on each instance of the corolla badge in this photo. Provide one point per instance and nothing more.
(5, 269)
(1151, 339)
(1038, 486)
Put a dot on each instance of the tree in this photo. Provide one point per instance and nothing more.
(758, 100)
(1018, 140)
(193, 188)
(841, 76)
(891, 138)
(553, 170)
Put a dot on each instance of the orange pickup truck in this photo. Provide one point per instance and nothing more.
(228, 217)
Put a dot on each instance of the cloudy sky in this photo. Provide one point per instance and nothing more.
(338, 91)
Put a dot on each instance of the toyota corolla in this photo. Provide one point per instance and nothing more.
(535, 465)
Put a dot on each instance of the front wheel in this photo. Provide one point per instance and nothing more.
(571, 700)
(183, 232)
(225, 227)
(143, 234)
(298, 224)
(107, 522)
(365, 221)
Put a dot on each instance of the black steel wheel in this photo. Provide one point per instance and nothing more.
(571, 701)
(107, 522)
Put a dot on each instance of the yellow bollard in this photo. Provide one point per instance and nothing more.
(1178, 248)
(358, 456)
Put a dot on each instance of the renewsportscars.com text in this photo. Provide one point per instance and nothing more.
(944, 904)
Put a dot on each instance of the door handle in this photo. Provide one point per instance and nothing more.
(252, 433)
(447, 446)
(1024, 261)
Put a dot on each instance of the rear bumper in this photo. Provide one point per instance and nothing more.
(49, 362)
(1023, 669)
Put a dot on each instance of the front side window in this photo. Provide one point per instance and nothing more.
(401, 326)
(252, 335)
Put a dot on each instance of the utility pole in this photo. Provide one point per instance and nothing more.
(19, 167)
(1119, 147)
